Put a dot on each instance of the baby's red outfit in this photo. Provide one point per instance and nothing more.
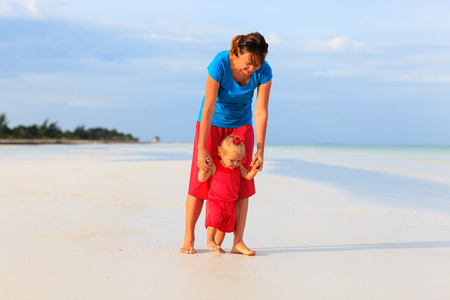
(223, 192)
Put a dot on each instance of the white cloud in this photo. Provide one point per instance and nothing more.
(151, 67)
(89, 101)
(31, 6)
(53, 87)
(173, 38)
(338, 44)
(437, 79)
(14, 8)
(420, 78)
(5, 8)
(333, 73)
(272, 39)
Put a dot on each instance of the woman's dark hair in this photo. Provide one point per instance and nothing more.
(253, 43)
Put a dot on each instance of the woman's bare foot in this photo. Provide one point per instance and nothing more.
(188, 248)
(240, 248)
(213, 246)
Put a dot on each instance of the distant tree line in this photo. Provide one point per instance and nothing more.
(52, 131)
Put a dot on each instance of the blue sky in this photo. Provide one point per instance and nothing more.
(350, 72)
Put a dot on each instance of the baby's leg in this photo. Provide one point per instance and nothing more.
(210, 239)
(220, 236)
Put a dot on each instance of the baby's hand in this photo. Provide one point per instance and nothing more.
(256, 168)
(257, 163)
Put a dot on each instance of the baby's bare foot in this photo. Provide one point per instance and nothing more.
(240, 248)
(188, 248)
(213, 246)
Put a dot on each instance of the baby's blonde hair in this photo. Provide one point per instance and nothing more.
(228, 144)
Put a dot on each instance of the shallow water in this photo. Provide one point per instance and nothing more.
(407, 177)
(431, 163)
(416, 177)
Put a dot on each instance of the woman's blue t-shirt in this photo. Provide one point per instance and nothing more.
(234, 102)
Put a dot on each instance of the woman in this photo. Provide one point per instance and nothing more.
(227, 109)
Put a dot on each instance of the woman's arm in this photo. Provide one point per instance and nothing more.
(261, 116)
(204, 160)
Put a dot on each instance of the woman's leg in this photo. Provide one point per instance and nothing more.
(241, 218)
(193, 209)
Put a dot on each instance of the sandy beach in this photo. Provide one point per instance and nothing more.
(107, 222)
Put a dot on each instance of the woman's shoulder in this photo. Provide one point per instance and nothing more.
(222, 56)
(265, 68)
(218, 68)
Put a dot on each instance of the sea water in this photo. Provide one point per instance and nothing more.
(431, 163)
(425, 162)
(416, 176)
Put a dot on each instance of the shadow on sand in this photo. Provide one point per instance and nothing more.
(354, 247)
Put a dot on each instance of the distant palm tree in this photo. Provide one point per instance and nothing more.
(43, 129)
(3, 125)
(3, 121)
(52, 131)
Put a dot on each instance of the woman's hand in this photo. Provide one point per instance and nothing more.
(257, 162)
(204, 160)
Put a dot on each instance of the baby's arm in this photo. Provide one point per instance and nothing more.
(249, 174)
(203, 176)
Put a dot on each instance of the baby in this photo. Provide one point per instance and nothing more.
(224, 187)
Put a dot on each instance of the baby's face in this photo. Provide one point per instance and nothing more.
(232, 159)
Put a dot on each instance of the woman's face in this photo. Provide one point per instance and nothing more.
(246, 65)
(232, 159)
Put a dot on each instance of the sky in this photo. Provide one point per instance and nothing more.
(345, 72)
